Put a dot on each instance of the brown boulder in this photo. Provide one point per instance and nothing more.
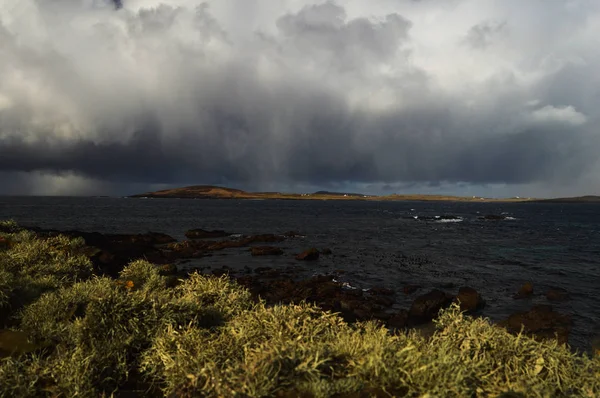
(266, 251)
(541, 322)
(185, 249)
(525, 291)
(470, 300)
(386, 301)
(362, 314)
(203, 234)
(426, 307)
(557, 294)
(398, 320)
(308, 255)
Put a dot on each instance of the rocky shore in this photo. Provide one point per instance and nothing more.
(110, 253)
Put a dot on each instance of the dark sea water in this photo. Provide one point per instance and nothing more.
(379, 243)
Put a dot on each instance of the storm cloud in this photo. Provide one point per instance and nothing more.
(111, 96)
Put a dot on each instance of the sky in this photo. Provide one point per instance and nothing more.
(493, 98)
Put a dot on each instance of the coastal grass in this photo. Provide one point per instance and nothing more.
(141, 333)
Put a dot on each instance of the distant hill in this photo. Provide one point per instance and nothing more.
(216, 192)
(339, 194)
(576, 199)
(195, 191)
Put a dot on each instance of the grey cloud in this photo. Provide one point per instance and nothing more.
(482, 35)
(166, 96)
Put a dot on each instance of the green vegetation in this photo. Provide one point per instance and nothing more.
(71, 333)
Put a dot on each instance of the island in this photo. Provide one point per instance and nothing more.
(217, 192)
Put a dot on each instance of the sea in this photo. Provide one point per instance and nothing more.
(442, 245)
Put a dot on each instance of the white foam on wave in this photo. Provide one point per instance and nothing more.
(510, 218)
(450, 220)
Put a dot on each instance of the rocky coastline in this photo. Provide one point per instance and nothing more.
(110, 253)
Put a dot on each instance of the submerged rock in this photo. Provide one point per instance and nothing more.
(525, 291)
(266, 251)
(557, 294)
(308, 255)
(493, 217)
(203, 234)
(381, 291)
(410, 289)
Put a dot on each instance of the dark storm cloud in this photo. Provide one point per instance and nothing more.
(323, 94)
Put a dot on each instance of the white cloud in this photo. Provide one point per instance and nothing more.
(564, 114)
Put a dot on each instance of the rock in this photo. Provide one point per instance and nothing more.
(381, 291)
(557, 294)
(266, 251)
(167, 269)
(326, 252)
(158, 238)
(185, 249)
(382, 316)
(426, 307)
(386, 301)
(308, 255)
(267, 238)
(525, 291)
(470, 300)
(426, 330)
(410, 289)
(362, 314)
(224, 270)
(541, 322)
(398, 320)
(203, 234)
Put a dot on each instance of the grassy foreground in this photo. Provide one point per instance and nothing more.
(70, 333)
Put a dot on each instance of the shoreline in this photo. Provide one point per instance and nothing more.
(110, 253)
(94, 321)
